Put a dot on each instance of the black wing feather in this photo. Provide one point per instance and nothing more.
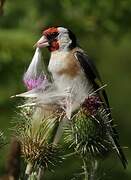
(91, 74)
(94, 77)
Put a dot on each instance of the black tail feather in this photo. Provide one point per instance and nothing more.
(119, 151)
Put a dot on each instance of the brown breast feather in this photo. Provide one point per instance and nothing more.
(72, 68)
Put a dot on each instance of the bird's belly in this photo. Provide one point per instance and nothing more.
(79, 87)
(64, 81)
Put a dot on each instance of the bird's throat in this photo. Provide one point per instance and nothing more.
(54, 46)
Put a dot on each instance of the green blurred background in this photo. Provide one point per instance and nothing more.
(103, 29)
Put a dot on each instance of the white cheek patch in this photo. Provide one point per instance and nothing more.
(64, 40)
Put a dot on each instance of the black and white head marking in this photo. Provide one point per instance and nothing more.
(66, 39)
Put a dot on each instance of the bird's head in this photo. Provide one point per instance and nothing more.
(57, 38)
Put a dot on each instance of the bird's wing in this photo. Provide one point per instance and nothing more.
(92, 75)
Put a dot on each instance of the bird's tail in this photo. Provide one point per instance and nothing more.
(119, 151)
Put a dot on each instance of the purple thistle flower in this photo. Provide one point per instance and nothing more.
(35, 82)
(34, 76)
(91, 104)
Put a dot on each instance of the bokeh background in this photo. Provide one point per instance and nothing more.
(103, 29)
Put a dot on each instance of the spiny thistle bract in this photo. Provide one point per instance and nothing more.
(35, 137)
(86, 134)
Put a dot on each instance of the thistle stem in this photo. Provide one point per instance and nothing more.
(28, 170)
(90, 169)
(59, 131)
(85, 170)
(94, 167)
(40, 174)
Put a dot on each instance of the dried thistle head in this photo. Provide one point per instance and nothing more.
(35, 137)
(39, 154)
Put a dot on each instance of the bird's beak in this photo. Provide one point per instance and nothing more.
(43, 42)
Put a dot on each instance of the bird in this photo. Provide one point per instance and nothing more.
(72, 69)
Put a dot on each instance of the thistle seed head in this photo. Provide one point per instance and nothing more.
(35, 138)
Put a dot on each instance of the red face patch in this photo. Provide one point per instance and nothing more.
(50, 31)
(54, 46)
(51, 35)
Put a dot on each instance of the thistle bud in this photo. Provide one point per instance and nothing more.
(91, 104)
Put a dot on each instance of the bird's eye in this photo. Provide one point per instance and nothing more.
(52, 36)
(53, 33)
